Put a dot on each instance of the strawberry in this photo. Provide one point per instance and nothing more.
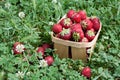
(96, 23)
(84, 39)
(92, 29)
(40, 50)
(66, 34)
(45, 46)
(70, 13)
(86, 71)
(90, 34)
(57, 35)
(83, 14)
(15, 44)
(49, 60)
(76, 17)
(86, 24)
(66, 22)
(18, 48)
(76, 26)
(77, 34)
(57, 28)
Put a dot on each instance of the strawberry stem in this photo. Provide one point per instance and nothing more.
(26, 58)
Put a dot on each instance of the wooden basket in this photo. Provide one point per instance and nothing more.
(74, 50)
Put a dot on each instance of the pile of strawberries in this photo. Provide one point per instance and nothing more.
(42, 50)
(77, 26)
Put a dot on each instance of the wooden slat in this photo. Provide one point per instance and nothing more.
(79, 53)
(62, 50)
(92, 49)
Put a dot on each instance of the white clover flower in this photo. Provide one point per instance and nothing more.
(2, 73)
(50, 32)
(28, 73)
(20, 48)
(105, 37)
(7, 5)
(43, 63)
(54, 1)
(20, 74)
(21, 14)
(51, 23)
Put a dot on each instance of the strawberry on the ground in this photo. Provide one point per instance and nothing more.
(83, 14)
(49, 60)
(84, 39)
(76, 17)
(40, 50)
(96, 23)
(18, 48)
(66, 22)
(77, 34)
(57, 28)
(66, 34)
(45, 46)
(90, 34)
(86, 71)
(86, 24)
(15, 44)
(70, 13)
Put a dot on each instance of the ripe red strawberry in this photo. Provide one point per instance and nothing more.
(76, 26)
(66, 34)
(57, 35)
(18, 48)
(90, 34)
(77, 34)
(70, 13)
(96, 23)
(49, 60)
(66, 22)
(40, 50)
(92, 29)
(76, 17)
(45, 46)
(86, 24)
(82, 14)
(86, 71)
(84, 39)
(57, 28)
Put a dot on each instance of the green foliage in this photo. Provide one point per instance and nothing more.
(34, 28)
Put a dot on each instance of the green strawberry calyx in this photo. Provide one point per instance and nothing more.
(65, 31)
(67, 21)
(76, 36)
(90, 33)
